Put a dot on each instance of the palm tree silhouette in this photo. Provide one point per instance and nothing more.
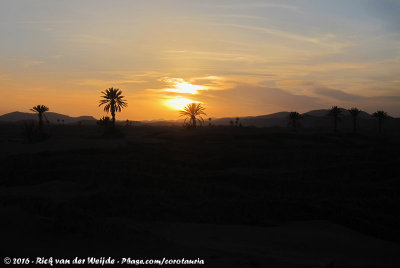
(381, 116)
(294, 117)
(193, 113)
(354, 112)
(40, 109)
(113, 101)
(335, 112)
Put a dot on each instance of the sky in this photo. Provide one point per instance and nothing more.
(237, 58)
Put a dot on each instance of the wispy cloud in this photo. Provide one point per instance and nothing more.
(32, 63)
(99, 82)
(279, 33)
(336, 94)
(209, 55)
(262, 5)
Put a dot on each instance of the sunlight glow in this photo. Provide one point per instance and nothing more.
(185, 87)
(178, 103)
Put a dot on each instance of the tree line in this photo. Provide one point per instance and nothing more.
(336, 113)
(114, 102)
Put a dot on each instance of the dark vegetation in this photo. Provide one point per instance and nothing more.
(210, 175)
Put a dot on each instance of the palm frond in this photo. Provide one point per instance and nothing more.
(40, 109)
(193, 113)
(113, 100)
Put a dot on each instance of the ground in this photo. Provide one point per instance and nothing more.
(235, 197)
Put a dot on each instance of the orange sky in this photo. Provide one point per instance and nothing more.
(238, 58)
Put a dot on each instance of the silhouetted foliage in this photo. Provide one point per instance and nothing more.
(237, 121)
(354, 112)
(113, 101)
(294, 118)
(335, 112)
(193, 113)
(381, 116)
(40, 109)
(104, 121)
(109, 130)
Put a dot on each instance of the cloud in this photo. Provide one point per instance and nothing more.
(99, 82)
(387, 98)
(31, 63)
(278, 33)
(259, 74)
(263, 5)
(55, 57)
(336, 94)
(256, 99)
(209, 56)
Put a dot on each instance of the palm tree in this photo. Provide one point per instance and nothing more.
(40, 109)
(114, 102)
(335, 112)
(354, 112)
(294, 117)
(381, 116)
(193, 113)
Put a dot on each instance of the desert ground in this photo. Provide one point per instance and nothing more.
(235, 197)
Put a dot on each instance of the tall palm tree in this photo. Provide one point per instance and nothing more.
(294, 117)
(335, 112)
(354, 112)
(113, 101)
(193, 113)
(381, 116)
(40, 110)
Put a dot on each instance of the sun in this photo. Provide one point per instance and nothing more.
(178, 103)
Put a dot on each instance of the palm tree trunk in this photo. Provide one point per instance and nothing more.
(40, 121)
(193, 122)
(113, 117)
(354, 124)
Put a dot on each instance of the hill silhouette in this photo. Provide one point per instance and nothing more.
(315, 119)
(51, 117)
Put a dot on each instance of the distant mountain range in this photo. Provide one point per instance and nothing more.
(315, 119)
(281, 119)
(51, 117)
(311, 119)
